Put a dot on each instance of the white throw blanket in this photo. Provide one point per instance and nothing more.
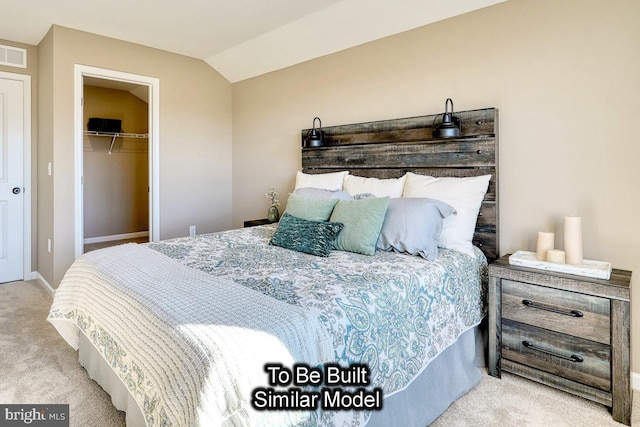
(189, 346)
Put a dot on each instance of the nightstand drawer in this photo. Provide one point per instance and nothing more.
(541, 308)
(570, 357)
(567, 312)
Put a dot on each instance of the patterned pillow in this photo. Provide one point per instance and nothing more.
(310, 237)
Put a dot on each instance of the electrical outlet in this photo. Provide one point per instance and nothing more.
(49, 245)
(49, 168)
(192, 230)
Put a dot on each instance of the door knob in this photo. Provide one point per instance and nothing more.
(16, 190)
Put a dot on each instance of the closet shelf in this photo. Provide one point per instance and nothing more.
(114, 135)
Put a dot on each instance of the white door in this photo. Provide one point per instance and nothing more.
(11, 180)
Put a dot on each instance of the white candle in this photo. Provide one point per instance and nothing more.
(573, 239)
(556, 256)
(545, 243)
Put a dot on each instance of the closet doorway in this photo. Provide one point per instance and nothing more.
(116, 158)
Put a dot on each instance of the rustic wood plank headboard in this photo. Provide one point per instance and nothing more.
(390, 148)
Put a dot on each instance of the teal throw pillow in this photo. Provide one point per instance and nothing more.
(311, 237)
(362, 221)
(310, 209)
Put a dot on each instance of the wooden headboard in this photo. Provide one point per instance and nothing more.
(390, 148)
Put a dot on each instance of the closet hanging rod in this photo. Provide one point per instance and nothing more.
(115, 135)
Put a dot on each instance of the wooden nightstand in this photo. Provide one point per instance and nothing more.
(254, 222)
(569, 332)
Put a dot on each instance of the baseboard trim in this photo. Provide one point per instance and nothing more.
(31, 276)
(635, 381)
(45, 285)
(113, 237)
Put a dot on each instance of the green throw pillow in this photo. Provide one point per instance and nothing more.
(311, 237)
(310, 209)
(362, 221)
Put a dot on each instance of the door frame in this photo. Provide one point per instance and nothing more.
(27, 200)
(80, 71)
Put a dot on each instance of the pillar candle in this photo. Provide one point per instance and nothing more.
(573, 239)
(556, 256)
(545, 243)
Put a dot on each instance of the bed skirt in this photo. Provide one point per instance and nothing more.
(100, 371)
(455, 371)
(449, 376)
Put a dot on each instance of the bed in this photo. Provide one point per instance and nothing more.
(196, 331)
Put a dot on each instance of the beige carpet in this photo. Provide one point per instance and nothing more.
(37, 366)
(515, 401)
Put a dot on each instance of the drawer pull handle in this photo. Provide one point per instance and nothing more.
(572, 313)
(572, 358)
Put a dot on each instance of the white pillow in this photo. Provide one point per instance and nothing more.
(391, 187)
(464, 194)
(326, 181)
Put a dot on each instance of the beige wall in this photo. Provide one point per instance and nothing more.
(31, 70)
(195, 136)
(564, 75)
(115, 185)
(45, 155)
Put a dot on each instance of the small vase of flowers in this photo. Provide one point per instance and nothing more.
(273, 214)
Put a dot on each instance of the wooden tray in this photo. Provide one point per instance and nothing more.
(588, 268)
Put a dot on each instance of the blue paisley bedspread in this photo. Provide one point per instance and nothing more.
(186, 333)
(392, 312)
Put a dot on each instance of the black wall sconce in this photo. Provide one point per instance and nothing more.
(315, 137)
(451, 126)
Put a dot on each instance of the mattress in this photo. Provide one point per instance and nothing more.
(246, 304)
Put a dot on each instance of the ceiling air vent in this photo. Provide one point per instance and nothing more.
(13, 56)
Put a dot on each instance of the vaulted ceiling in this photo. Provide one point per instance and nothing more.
(239, 38)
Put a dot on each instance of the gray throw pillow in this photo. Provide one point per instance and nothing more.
(413, 226)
